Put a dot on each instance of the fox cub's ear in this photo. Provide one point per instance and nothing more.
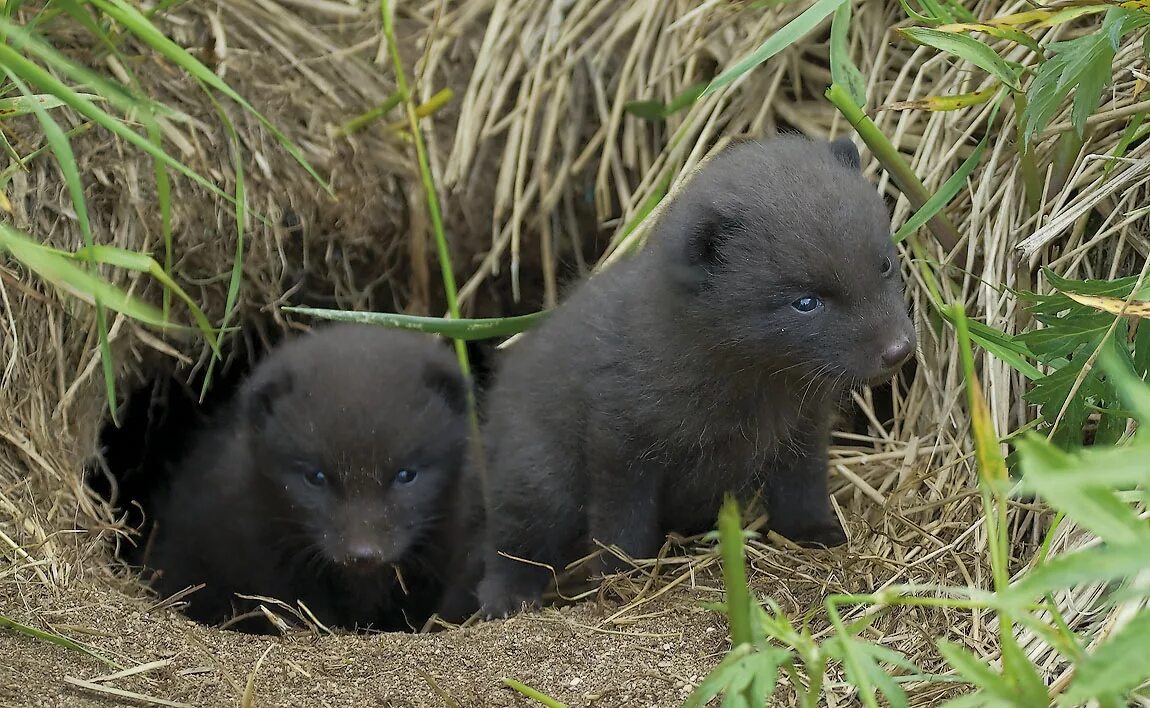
(261, 399)
(845, 152)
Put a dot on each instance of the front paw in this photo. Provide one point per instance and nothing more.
(499, 599)
(823, 534)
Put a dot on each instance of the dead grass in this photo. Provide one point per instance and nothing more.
(534, 151)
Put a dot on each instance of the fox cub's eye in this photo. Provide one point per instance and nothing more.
(887, 266)
(315, 476)
(807, 304)
(405, 476)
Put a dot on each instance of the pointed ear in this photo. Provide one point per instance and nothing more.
(261, 400)
(706, 238)
(846, 153)
(448, 385)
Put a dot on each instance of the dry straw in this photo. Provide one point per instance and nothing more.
(534, 150)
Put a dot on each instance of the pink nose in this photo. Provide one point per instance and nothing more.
(897, 352)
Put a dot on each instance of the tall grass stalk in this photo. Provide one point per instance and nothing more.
(450, 290)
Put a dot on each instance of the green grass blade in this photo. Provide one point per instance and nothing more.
(968, 49)
(443, 252)
(29, 45)
(1001, 345)
(143, 263)
(949, 189)
(361, 121)
(907, 181)
(527, 691)
(992, 470)
(236, 277)
(36, 75)
(64, 274)
(133, 20)
(462, 329)
(53, 638)
(66, 159)
(25, 105)
(658, 111)
(164, 197)
(735, 573)
(843, 69)
(624, 239)
(785, 37)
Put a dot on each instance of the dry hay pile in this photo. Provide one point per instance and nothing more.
(535, 149)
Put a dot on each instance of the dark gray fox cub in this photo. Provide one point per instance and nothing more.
(709, 362)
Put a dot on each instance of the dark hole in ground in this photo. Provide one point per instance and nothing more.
(159, 420)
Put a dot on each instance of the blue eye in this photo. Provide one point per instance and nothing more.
(806, 304)
(315, 477)
(887, 266)
(405, 476)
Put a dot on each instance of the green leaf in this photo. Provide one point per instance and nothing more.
(991, 465)
(843, 69)
(1141, 354)
(164, 197)
(863, 672)
(887, 686)
(765, 673)
(1132, 389)
(933, 13)
(1001, 32)
(977, 700)
(1117, 666)
(728, 672)
(1021, 674)
(1096, 564)
(1083, 63)
(1119, 287)
(968, 49)
(785, 37)
(975, 670)
(464, 329)
(1096, 508)
(1007, 348)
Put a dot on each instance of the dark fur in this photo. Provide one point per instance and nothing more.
(358, 403)
(684, 372)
